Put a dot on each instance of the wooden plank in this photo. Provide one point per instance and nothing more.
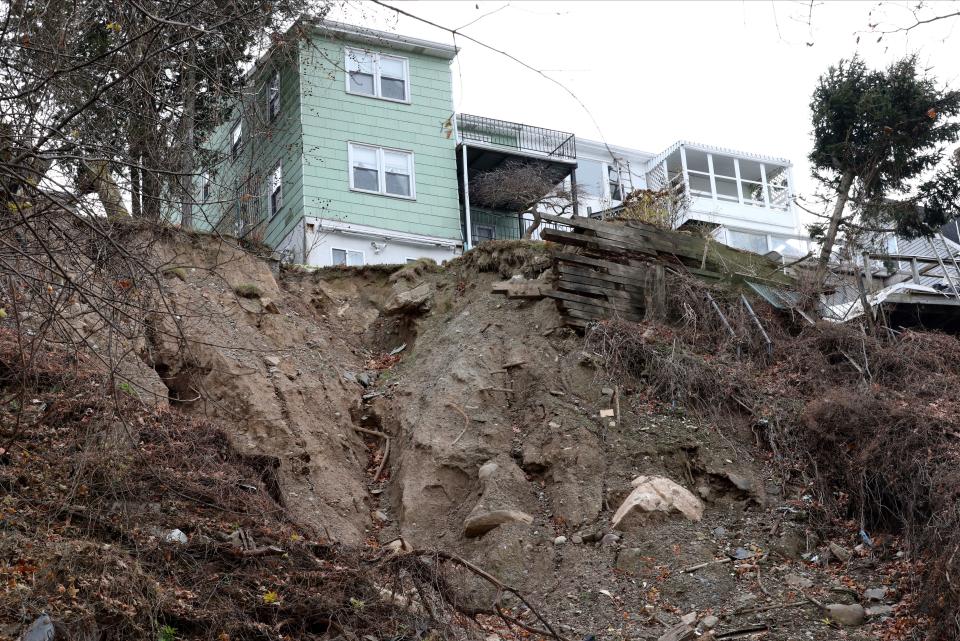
(616, 269)
(594, 242)
(568, 271)
(587, 312)
(520, 288)
(567, 286)
(597, 282)
(617, 304)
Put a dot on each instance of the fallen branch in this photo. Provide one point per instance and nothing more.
(501, 588)
(466, 422)
(700, 566)
(732, 634)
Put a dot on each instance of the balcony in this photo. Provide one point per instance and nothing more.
(728, 188)
(524, 139)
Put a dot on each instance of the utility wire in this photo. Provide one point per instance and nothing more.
(456, 32)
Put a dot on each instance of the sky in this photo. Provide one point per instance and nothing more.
(646, 74)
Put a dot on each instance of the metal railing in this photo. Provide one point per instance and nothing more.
(488, 224)
(513, 135)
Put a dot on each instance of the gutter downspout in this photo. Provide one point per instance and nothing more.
(466, 199)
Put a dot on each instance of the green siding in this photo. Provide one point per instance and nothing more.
(265, 144)
(332, 118)
(317, 120)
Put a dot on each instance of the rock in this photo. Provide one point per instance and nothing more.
(709, 622)
(689, 618)
(175, 536)
(719, 532)
(609, 539)
(607, 391)
(413, 300)
(42, 629)
(399, 546)
(658, 494)
(380, 516)
(364, 379)
(839, 552)
(790, 544)
(742, 553)
(703, 491)
(848, 615)
(576, 538)
(875, 594)
(560, 540)
(272, 361)
(876, 611)
(269, 306)
(797, 581)
(479, 524)
(487, 470)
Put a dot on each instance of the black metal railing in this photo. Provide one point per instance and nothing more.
(489, 224)
(552, 143)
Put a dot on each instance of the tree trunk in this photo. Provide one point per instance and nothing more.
(528, 234)
(843, 195)
(97, 172)
(135, 185)
(150, 191)
(189, 116)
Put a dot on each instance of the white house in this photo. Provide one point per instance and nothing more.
(744, 199)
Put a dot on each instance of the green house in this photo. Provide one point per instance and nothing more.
(342, 152)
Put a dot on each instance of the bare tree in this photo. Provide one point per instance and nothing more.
(525, 188)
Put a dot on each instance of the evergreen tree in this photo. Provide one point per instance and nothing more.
(880, 146)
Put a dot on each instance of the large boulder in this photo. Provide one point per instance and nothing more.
(658, 494)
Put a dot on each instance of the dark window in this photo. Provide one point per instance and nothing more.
(236, 139)
(273, 96)
(484, 232)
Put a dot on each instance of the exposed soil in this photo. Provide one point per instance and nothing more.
(509, 440)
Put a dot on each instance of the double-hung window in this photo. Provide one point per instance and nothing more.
(206, 187)
(381, 171)
(236, 138)
(347, 257)
(276, 189)
(273, 96)
(613, 176)
(378, 75)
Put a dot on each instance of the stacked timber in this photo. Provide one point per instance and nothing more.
(604, 270)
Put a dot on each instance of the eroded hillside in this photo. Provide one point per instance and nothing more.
(374, 404)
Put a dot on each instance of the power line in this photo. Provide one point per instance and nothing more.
(456, 32)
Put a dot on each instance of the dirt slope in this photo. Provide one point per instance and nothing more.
(506, 441)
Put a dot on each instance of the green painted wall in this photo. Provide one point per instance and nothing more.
(265, 144)
(332, 118)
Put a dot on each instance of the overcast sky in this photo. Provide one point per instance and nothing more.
(733, 74)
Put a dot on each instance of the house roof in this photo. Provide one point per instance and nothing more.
(395, 41)
(712, 149)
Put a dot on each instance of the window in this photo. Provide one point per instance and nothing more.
(206, 187)
(248, 206)
(381, 171)
(276, 189)
(756, 243)
(590, 177)
(236, 138)
(484, 232)
(613, 174)
(347, 257)
(273, 96)
(378, 75)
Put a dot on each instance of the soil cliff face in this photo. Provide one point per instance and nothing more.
(412, 402)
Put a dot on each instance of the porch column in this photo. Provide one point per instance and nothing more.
(683, 167)
(466, 199)
(713, 178)
(573, 191)
(736, 172)
(763, 180)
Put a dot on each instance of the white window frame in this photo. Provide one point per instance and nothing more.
(273, 96)
(236, 139)
(381, 171)
(347, 252)
(206, 187)
(377, 93)
(276, 185)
